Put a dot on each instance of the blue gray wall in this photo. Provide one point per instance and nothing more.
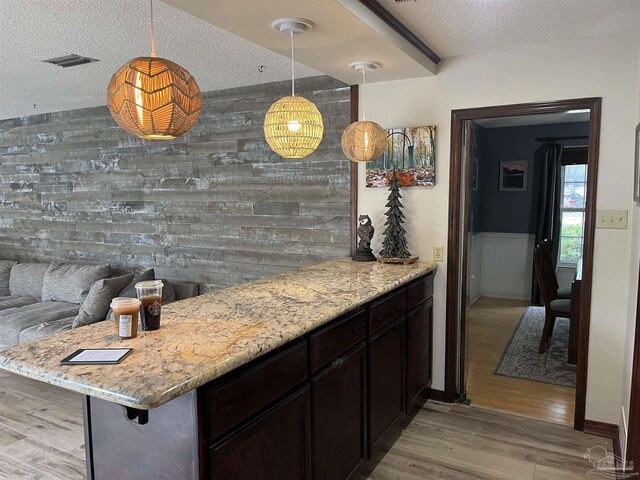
(513, 212)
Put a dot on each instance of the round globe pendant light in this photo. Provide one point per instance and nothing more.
(293, 125)
(363, 141)
(154, 98)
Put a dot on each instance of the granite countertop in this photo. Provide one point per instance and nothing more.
(205, 337)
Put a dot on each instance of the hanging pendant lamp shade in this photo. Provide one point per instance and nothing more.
(293, 125)
(154, 98)
(363, 141)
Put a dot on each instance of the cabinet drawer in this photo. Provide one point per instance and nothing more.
(419, 290)
(332, 341)
(240, 397)
(385, 311)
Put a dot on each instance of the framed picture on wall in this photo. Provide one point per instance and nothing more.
(513, 176)
(636, 168)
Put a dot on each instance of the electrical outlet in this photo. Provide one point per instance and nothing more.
(611, 219)
(438, 254)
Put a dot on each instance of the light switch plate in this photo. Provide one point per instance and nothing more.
(611, 219)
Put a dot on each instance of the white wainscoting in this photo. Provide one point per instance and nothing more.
(500, 265)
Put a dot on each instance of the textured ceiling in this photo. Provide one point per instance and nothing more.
(114, 31)
(462, 27)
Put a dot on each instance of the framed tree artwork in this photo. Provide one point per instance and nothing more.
(513, 176)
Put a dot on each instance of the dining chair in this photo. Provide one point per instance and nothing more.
(554, 305)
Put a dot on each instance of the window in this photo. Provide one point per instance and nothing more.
(572, 210)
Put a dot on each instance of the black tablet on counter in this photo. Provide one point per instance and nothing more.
(97, 356)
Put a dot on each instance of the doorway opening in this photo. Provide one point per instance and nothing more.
(521, 228)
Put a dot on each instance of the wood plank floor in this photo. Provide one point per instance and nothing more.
(41, 437)
(456, 441)
(491, 322)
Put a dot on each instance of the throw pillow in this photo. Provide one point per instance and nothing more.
(26, 279)
(65, 282)
(168, 292)
(130, 290)
(5, 274)
(95, 306)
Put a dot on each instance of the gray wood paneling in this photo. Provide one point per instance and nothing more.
(215, 206)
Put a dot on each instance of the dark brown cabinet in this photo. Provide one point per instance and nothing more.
(314, 409)
(339, 417)
(419, 322)
(275, 446)
(386, 380)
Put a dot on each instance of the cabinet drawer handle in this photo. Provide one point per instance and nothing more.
(337, 362)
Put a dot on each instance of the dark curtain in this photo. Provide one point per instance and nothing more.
(549, 174)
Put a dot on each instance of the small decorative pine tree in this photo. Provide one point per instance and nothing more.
(395, 236)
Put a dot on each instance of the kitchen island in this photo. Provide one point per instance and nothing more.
(296, 376)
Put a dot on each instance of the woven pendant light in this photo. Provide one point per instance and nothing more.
(363, 141)
(293, 125)
(154, 98)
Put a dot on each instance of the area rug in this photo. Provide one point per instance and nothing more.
(521, 359)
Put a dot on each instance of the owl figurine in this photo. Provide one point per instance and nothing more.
(365, 231)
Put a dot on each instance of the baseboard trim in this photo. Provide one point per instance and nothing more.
(437, 395)
(606, 430)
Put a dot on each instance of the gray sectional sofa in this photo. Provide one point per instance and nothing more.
(41, 299)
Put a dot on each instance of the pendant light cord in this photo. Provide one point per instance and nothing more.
(364, 82)
(293, 83)
(153, 37)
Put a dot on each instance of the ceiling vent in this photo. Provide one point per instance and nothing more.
(70, 60)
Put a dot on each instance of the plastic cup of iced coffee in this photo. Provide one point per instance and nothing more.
(126, 314)
(150, 296)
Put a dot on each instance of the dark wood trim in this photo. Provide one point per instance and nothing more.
(436, 395)
(353, 181)
(633, 427)
(384, 15)
(453, 259)
(88, 439)
(594, 104)
(606, 430)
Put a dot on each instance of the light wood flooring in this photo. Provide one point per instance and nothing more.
(490, 323)
(41, 437)
(455, 442)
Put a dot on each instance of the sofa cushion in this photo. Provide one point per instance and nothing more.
(64, 282)
(12, 302)
(96, 305)
(26, 279)
(5, 274)
(46, 329)
(14, 320)
(130, 290)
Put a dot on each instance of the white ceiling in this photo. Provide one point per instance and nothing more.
(462, 27)
(539, 119)
(114, 31)
(344, 32)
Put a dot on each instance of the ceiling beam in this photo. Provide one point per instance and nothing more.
(381, 20)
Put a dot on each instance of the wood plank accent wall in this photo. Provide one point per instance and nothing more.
(215, 206)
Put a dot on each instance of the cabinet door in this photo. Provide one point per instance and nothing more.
(419, 324)
(338, 417)
(387, 386)
(275, 446)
